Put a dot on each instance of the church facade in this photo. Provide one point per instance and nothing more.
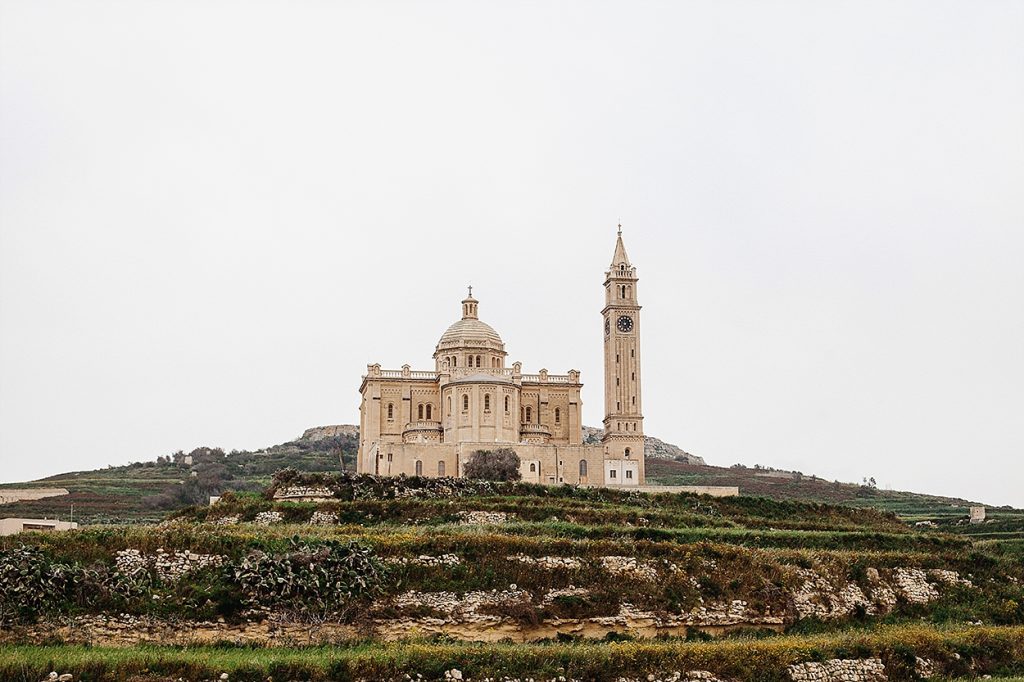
(429, 423)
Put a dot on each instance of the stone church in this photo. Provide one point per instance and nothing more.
(428, 423)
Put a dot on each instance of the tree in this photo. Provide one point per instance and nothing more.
(493, 465)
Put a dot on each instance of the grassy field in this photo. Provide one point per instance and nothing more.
(995, 650)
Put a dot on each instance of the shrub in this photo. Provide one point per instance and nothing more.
(32, 584)
(312, 582)
(493, 465)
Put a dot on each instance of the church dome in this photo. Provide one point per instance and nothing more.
(470, 332)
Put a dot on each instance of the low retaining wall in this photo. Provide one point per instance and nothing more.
(712, 490)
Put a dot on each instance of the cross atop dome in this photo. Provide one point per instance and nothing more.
(469, 306)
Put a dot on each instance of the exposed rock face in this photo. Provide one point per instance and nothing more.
(630, 567)
(822, 597)
(839, 670)
(653, 447)
(324, 432)
(913, 585)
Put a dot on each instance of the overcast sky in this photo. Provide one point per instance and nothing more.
(214, 214)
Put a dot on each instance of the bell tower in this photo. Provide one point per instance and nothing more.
(624, 421)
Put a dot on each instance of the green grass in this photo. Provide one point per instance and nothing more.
(994, 650)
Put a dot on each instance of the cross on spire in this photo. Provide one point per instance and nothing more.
(471, 291)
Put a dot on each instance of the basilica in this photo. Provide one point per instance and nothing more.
(428, 423)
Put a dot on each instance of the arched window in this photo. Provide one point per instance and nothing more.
(533, 468)
(506, 404)
(478, 361)
(622, 268)
(430, 412)
(455, 361)
(558, 416)
(391, 410)
(627, 453)
(465, 402)
(583, 468)
(529, 415)
(440, 468)
(419, 412)
(449, 404)
(487, 402)
(419, 468)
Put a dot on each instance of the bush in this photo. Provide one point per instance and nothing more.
(493, 465)
(32, 584)
(312, 582)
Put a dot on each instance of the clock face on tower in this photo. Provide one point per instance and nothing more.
(625, 324)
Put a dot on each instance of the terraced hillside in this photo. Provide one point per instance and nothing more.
(146, 491)
(352, 577)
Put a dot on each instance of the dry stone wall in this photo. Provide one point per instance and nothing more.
(304, 493)
(839, 670)
(550, 563)
(482, 518)
(448, 560)
(168, 566)
(322, 518)
(268, 518)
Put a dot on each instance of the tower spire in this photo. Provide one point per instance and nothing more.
(620, 257)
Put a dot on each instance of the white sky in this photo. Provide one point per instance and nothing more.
(214, 214)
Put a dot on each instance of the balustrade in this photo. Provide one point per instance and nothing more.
(399, 374)
(549, 378)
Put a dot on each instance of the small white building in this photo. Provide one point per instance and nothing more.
(15, 526)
